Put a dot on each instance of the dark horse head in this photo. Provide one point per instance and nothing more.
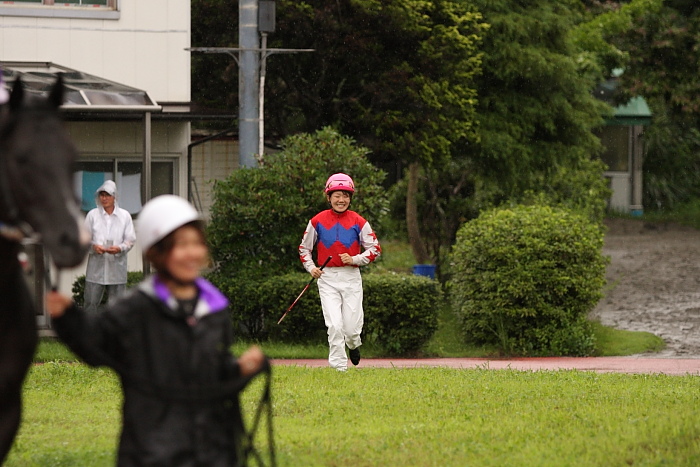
(36, 181)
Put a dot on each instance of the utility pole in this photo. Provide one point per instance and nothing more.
(248, 82)
(255, 17)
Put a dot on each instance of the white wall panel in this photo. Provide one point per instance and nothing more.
(120, 57)
(87, 51)
(17, 38)
(153, 14)
(51, 44)
(152, 64)
(179, 59)
(144, 48)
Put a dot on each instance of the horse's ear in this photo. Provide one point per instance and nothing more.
(57, 91)
(17, 94)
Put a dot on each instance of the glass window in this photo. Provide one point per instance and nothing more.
(615, 140)
(88, 9)
(89, 175)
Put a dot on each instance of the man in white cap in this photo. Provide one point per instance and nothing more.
(113, 235)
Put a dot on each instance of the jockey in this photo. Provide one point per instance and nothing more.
(350, 240)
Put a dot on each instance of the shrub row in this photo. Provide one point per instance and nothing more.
(78, 289)
(400, 309)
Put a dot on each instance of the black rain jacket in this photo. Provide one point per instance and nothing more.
(180, 381)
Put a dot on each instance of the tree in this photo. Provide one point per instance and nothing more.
(395, 75)
(535, 107)
(535, 112)
(664, 59)
(403, 78)
(214, 76)
(259, 214)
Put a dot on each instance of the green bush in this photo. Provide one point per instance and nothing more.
(400, 310)
(403, 311)
(525, 278)
(259, 214)
(78, 289)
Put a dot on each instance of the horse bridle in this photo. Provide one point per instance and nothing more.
(12, 228)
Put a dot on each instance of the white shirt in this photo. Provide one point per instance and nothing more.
(109, 269)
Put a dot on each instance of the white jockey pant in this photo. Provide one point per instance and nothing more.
(340, 289)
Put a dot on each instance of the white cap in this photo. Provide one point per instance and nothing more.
(162, 215)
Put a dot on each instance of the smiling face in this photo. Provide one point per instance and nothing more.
(339, 200)
(188, 255)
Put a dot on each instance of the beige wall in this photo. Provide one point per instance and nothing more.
(213, 160)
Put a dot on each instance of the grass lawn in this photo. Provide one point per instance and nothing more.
(401, 417)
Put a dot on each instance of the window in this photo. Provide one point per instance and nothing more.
(615, 139)
(89, 175)
(91, 9)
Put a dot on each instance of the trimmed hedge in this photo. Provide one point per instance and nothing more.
(524, 279)
(400, 310)
(78, 289)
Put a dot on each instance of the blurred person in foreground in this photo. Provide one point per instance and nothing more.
(169, 340)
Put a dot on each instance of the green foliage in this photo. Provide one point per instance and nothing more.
(78, 288)
(525, 279)
(598, 52)
(664, 55)
(400, 311)
(664, 51)
(214, 76)
(404, 311)
(535, 141)
(396, 76)
(448, 197)
(257, 306)
(671, 163)
(535, 109)
(684, 214)
(580, 190)
(611, 342)
(259, 214)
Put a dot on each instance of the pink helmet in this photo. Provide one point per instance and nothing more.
(340, 182)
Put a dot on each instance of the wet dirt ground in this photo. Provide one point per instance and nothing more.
(654, 284)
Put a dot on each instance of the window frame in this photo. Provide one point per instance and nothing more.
(115, 161)
(49, 9)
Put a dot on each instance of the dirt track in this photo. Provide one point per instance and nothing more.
(654, 284)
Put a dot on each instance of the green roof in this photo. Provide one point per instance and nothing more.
(635, 112)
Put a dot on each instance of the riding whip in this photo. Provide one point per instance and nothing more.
(303, 291)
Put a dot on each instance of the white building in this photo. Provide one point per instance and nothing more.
(128, 74)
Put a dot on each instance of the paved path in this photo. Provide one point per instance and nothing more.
(669, 366)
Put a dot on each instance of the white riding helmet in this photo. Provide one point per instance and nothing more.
(161, 216)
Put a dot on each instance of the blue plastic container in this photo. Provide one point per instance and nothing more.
(427, 270)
